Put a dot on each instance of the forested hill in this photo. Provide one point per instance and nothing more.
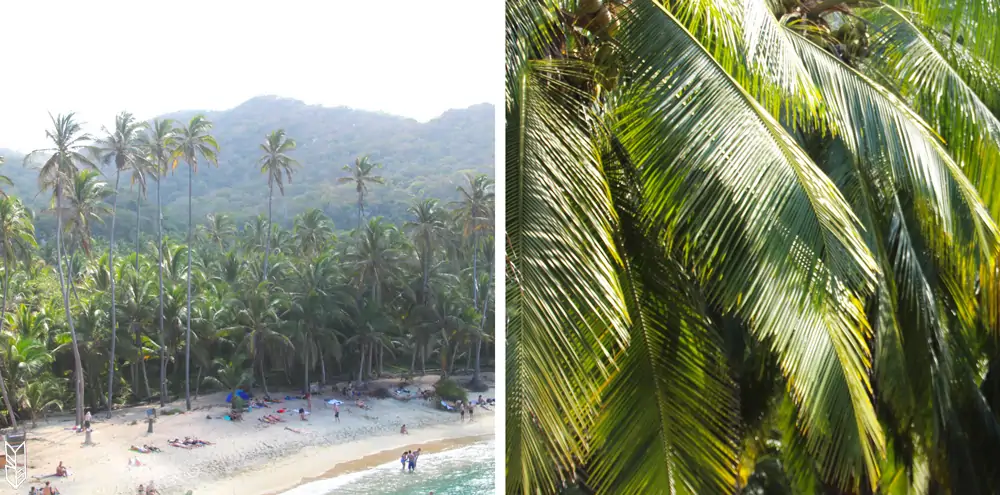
(420, 160)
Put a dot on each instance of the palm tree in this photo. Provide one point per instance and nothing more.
(312, 230)
(276, 163)
(428, 229)
(158, 145)
(120, 147)
(475, 210)
(677, 201)
(57, 173)
(361, 176)
(191, 142)
(219, 228)
(16, 240)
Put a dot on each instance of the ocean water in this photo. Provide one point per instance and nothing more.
(468, 470)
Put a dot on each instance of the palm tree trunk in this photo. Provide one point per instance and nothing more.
(361, 369)
(423, 360)
(267, 248)
(360, 209)
(322, 367)
(197, 385)
(413, 359)
(69, 277)
(114, 307)
(78, 362)
(163, 335)
(263, 378)
(3, 315)
(145, 376)
(187, 339)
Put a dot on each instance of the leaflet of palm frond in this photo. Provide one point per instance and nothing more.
(669, 416)
(565, 313)
(768, 235)
(971, 23)
(940, 95)
(882, 132)
(785, 87)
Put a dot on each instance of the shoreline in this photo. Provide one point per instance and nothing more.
(317, 463)
(373, 460)
(269, 458)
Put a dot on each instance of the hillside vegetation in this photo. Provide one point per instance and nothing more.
(419, 160)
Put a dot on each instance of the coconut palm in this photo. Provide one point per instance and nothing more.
(361, 174)
(276, 163)
(427, 229)
(57, 173)
(690, 183)
(312, 230)
(219, 227)
(158, 145)
(122, 148)
(475, 211)
(16, 241)
(191, 142)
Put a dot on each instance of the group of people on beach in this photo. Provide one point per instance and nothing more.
(48, 489)
(409, 460)
(147, 490)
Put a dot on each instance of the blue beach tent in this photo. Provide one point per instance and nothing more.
(243, 395)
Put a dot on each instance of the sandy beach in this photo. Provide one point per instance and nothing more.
(248, 457)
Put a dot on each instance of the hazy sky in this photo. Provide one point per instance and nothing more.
(98, 57)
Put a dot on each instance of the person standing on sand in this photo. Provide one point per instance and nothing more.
(461, 411)
(472, 409)
(336, 413)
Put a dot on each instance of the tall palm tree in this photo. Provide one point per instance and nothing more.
(677, 202)
(276, 163)
(17, 238)
(158, 147)
(361, 174)
(192, 141)
(121, 147)
(475, 210)
(427, 228)
(65, 159)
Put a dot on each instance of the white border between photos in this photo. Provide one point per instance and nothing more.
(500, 311)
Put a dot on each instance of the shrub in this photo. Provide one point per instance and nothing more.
(451, 391)
(238, 403)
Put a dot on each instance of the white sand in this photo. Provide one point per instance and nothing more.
(248, 457)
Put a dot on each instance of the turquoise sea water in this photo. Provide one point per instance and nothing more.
(467, 470)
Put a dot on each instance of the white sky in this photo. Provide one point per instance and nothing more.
(98, 57)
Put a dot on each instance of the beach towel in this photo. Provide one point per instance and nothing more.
(446, 406)
(334, 402)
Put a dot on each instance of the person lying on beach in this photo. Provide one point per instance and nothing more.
(151, 448)
(303, 413)
(196, 442)
(360, 403)
(61, 470)
(178, 444)
(141, 450)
